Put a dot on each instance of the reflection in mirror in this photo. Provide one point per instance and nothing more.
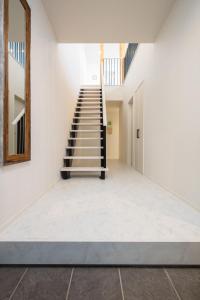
(16, 77)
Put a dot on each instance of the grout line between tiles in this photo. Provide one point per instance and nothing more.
(70, 281)
(121, 285)
(172, 284)
(20, 280)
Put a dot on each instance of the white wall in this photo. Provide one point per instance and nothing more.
(55, 71)
(68, 79)
(91, 55)
(115, 93)
(171, 71)
(112, 50)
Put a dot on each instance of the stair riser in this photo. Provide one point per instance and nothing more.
(88, 127)
(67, 175)
(83, 163)
(83, 152)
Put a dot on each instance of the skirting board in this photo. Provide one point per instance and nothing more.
(100, 253)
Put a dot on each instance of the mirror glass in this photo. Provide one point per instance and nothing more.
(16, 77)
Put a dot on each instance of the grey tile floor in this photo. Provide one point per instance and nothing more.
(99, 283)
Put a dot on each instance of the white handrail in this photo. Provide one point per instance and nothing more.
(103, 97)
(19, 116)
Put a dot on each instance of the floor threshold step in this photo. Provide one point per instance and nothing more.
(84, 169)
(83, 157)
(84, 147)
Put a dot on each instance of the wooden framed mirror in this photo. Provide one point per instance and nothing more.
(17, 102)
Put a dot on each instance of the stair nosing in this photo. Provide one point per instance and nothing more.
(84, 169)
(83, 157)
(92, 107)
(86, 124)
(87, 112)
(85, 138)
(84, 147)
(88, 118)
(85, 130)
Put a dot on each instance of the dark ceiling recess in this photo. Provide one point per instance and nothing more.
(130, 53)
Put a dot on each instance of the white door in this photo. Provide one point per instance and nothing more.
(139, 137)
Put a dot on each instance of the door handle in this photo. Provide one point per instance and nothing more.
(138, 133)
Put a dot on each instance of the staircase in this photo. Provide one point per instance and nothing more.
(86, 151)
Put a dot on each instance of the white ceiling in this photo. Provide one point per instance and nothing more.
(90, 21)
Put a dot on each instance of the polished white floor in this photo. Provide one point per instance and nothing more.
(124, 207)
